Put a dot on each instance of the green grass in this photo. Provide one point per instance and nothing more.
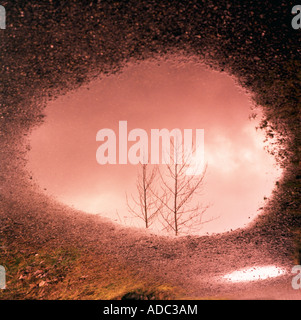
(68, 273)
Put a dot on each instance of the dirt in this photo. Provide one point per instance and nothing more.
(195, 265)
(50, 49)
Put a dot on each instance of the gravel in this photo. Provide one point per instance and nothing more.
(50, 48)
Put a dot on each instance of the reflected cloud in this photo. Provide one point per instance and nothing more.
(255, 274)
(170, 95)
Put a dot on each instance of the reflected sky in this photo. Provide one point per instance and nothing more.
(255, 274)
(155, 95)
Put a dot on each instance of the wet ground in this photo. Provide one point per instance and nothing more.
(195, 265)
(51, 48)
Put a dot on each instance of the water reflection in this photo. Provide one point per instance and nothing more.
(164, 94)
(254, 274)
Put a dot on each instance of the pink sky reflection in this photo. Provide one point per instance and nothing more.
(155, 95)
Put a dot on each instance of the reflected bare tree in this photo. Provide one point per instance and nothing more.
(180, 207)
(145, 205)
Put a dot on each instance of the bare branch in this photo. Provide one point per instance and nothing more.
(144, 205)
(179, 191)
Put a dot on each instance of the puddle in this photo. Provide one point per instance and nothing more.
(255, 274)
(155, 95)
